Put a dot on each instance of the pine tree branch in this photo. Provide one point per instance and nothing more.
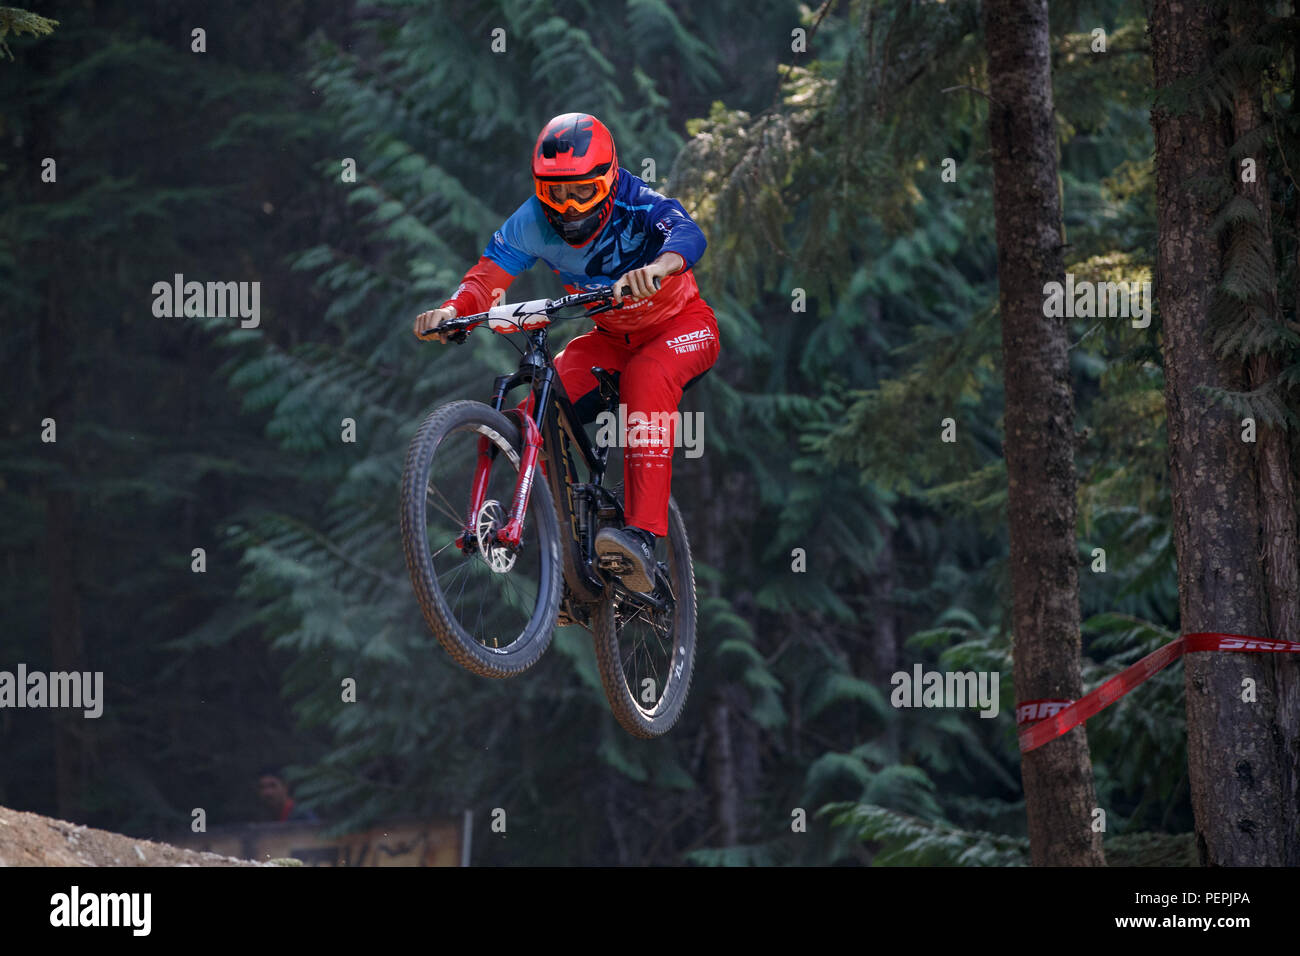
(973, 89)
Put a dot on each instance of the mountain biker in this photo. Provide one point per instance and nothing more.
(595, 224)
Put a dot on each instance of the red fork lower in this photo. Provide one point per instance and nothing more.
(482, 472)
(514, 528)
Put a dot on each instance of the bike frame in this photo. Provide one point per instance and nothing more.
(549, 435)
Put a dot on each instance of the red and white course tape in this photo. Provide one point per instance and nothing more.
(1044, 720)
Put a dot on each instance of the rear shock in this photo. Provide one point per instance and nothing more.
(582, 513)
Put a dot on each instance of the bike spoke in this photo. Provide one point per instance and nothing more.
(443, 548)
(640, 657)
(445, 507)
(463, 566)
(517, 592)
(479, 620)
(460, 593)
(659, 635)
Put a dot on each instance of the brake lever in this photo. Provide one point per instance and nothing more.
(458, 337)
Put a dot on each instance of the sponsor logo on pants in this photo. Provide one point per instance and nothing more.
(690, 341)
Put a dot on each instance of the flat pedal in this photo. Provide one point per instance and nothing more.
(614, 562)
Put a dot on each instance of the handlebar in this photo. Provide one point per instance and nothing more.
(458, 328)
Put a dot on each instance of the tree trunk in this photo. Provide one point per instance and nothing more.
(57, 399)
(722, 765)
(1039, 443)
(1273, 449)
(1273, 467)
(67, 647)
(1232, 762)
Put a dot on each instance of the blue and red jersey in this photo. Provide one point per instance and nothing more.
(643, 225)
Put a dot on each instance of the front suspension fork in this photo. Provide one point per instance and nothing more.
(511, 534)
(514, 529)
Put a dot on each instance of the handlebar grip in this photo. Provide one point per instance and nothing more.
(627, 289)
(454, 330)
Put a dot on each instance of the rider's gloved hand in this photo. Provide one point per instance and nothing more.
(430, 321)
(644, 282)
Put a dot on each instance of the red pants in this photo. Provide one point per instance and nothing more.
(656, 364)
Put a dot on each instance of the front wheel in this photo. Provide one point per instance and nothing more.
(492, 607)
(646, 649)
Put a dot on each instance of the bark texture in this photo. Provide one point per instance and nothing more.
(1039, 442)
(1274, 477)
(1232, 752)
(1273, 447)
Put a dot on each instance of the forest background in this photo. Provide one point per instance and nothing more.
(838, 158)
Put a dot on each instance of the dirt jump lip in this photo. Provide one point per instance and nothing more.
(29, 839)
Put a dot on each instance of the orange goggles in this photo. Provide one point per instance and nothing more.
(580, 195)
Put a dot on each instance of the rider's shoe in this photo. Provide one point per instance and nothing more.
(629, 553)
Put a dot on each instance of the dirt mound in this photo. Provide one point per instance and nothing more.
(27, 839)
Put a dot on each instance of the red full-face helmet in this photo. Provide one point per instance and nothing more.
(575, 175)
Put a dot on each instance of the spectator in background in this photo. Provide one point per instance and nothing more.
(273, 792)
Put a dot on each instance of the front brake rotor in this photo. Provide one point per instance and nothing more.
(487, 522)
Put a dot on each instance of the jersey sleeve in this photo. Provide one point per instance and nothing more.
(508, 253)
(681, 233)
(514, 246)
(477, 290)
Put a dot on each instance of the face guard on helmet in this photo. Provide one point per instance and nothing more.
(575, 175)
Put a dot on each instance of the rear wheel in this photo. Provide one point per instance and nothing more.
(492, 607)
(646, 649)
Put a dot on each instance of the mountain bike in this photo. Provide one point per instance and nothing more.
(498, 560)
